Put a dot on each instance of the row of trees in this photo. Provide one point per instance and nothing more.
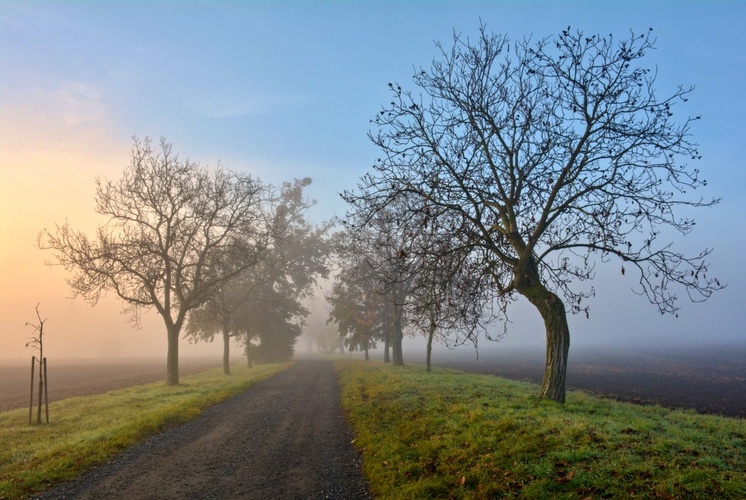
(217, 249)
(397, 276)
(512, 170)
(265, 302)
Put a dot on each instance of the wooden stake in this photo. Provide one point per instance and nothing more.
(41, 393)
(31, 402)
(46, 390)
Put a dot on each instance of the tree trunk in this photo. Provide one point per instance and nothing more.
(46, 391)
(41, 392)
(386, 337)
(248, 353)
(226, 351)
(552, 310)
(558, 347)
(387, 347)
(172, 359)
(553, 313)
(31, 400)
(430, 335)
(367, 357)
(397, 336)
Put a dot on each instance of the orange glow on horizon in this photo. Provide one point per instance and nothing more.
(39, 189)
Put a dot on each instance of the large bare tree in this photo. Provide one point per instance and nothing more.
(547, 156)
(406, 251)
(170, 224)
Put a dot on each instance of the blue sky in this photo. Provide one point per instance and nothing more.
(287, 89)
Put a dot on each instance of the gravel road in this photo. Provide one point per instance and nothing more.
(286, 438)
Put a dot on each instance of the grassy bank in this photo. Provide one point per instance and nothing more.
(86, 431)
(453, 435)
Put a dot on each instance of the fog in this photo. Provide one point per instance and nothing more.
(619, 319)
(81, 81)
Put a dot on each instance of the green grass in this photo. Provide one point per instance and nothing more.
(453, 435)
(86, 431)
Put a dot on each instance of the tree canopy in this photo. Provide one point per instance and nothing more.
(265, 301)
(541, 158)
(170, 226)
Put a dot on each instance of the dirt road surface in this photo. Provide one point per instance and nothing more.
(286, 438)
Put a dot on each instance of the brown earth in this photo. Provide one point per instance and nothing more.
(286, 438)
(68, 378)
(707, 379)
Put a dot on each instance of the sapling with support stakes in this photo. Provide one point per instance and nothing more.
(37, 342)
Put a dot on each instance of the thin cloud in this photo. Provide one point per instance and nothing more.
(80, 103)
(253, 105)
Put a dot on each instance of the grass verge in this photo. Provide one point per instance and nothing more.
(87, 431)
(449, 434)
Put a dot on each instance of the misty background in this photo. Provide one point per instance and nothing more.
(286, 90)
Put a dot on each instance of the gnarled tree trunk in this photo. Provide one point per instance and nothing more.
(558, 345)
(552, 310)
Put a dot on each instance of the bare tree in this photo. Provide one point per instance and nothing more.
(170, 223)
(375, 249)
(429, 277)
(37, 342)
(452, 293)
(265, 300)
(548, 156)
(358, 306)
(219, 314)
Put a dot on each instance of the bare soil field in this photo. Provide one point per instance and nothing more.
(706, 379)
(81, 377)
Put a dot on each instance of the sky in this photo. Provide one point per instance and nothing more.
(287, 89)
